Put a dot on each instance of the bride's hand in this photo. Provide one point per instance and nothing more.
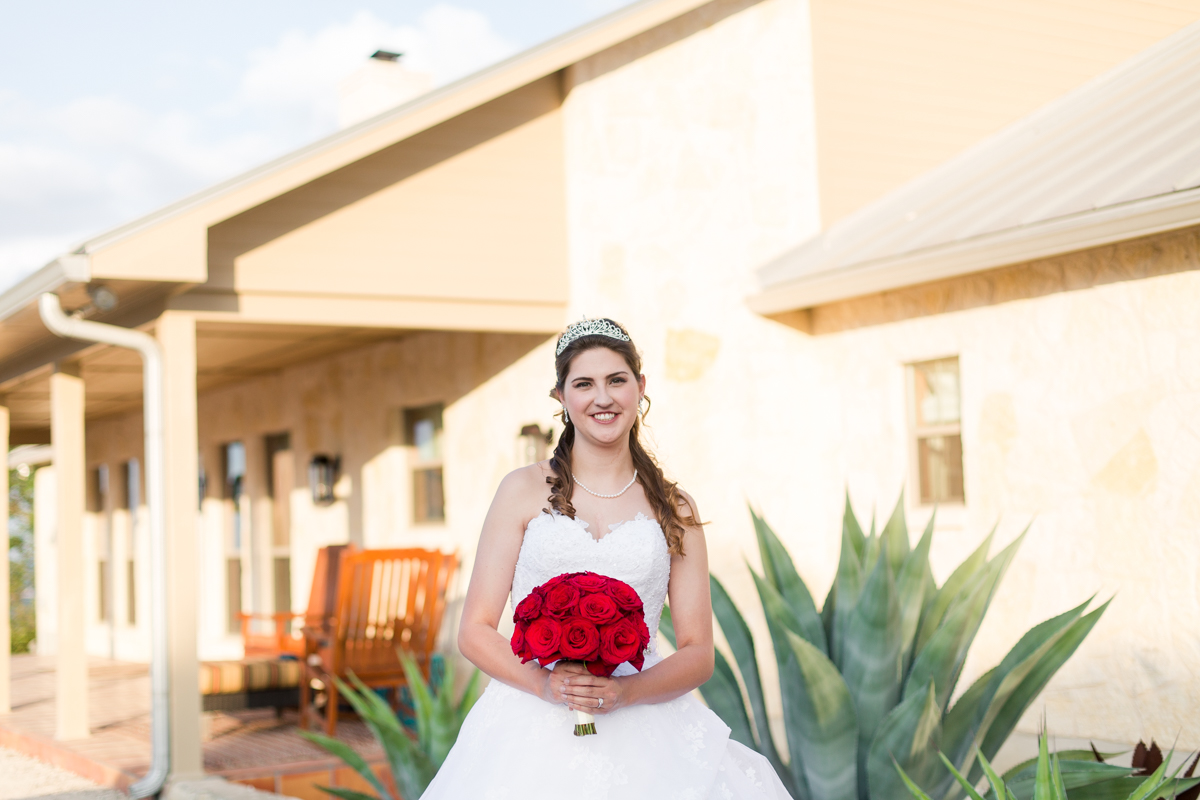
(583, 691)
(555, 681)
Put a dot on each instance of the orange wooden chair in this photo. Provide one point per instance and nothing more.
(386, 600)
(273, 635)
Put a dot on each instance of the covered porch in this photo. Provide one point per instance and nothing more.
(347, 337)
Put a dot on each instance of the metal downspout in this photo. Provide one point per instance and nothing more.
(154, 393)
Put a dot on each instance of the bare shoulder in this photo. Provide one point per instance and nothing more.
(687, 504)
(522, 493)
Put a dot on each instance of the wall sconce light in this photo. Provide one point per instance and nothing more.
(534, 443)
(322, 475)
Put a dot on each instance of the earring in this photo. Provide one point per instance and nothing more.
(566, 419)
(641, 406)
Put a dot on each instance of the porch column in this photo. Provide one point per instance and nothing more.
(5, 611)
(66, 435)
(177, 334)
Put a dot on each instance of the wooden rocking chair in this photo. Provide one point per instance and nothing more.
(386, 599)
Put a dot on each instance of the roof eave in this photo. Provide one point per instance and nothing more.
(72, 268)
(1053, 237)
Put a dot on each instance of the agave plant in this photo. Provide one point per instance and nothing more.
(1071, 775)
(413, 763)
(1086, 775)
(870, 675)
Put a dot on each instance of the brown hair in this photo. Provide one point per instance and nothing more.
(664, 495)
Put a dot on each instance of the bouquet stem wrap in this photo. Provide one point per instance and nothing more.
(585, 724)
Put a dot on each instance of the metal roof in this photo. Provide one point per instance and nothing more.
(1113, 159)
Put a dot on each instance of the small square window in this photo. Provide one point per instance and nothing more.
(423, 435)
(934, 402)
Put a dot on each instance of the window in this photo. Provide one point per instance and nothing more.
(937, 430)
(133, 501)
(533, 443)
(234, 462)
(98, 505)
(281, 477)
(423, 435)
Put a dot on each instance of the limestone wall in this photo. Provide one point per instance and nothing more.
(1079, 403)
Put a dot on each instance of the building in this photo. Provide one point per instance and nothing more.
(378, 311)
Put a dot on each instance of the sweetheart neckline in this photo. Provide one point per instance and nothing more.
(582, 525)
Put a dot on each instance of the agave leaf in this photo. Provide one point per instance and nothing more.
(780, 572)
(411, 768)
(997, 783)
(909, 735)
(910, 588)
(826, 729)
(846, 584)
(932, 619)
(895, 537)
(424, 705)
(347, 753)
(1060, 791)
(1086, 756)
(1122, 788)
(1074, 774)
(1042, 782)
(1005, 720)
(913, 789)
(966, 785)
(345, 794)
(851, 530)
(780, 622)
(942, 658)
(827, 615)
(872, 667)
(741, 644)
(974, 712)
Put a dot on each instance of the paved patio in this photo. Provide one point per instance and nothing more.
(254, 747)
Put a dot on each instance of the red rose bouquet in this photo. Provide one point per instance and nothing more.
(582, 616)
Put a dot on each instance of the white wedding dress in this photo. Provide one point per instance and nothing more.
(514, 745)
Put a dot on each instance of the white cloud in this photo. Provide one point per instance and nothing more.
(72, 170)
(296, 80)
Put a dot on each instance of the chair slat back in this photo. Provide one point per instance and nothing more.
(389, 599)
(323, 596)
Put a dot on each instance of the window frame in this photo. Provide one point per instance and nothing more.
(918, 432)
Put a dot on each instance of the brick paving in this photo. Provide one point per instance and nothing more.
(254, 745)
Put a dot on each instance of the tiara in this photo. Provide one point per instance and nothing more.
(589, 327)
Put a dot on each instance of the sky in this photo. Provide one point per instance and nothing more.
(111, 110)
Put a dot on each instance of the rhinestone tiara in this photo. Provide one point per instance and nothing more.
(589, 327)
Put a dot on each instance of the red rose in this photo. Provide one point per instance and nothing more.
(637, 661)
(619, 642)
(598, 608)
(591, 582)
(639, 622)
(530, 608)
(560, 600)
(600, 669)
(624, 596)
(518, 643)
(580, 639)
(542, 638)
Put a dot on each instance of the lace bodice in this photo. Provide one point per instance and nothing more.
(634, 551)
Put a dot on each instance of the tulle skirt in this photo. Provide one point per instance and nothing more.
(514, 745)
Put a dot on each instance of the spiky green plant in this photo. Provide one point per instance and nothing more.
(413, 763)
(1067, 775)
(870, 675)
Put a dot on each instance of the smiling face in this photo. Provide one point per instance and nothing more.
(601, 395)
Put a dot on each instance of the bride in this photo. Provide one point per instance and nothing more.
(627, 521)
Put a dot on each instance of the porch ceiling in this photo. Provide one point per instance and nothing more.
(225, 352)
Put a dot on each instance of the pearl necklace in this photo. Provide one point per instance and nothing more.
(609, 496)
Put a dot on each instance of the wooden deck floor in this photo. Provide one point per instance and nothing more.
(254, 747)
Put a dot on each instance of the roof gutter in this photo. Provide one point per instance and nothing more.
(1054, 237)
(72, 268)
(154, 392)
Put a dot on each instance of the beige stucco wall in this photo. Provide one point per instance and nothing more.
(685, 173)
